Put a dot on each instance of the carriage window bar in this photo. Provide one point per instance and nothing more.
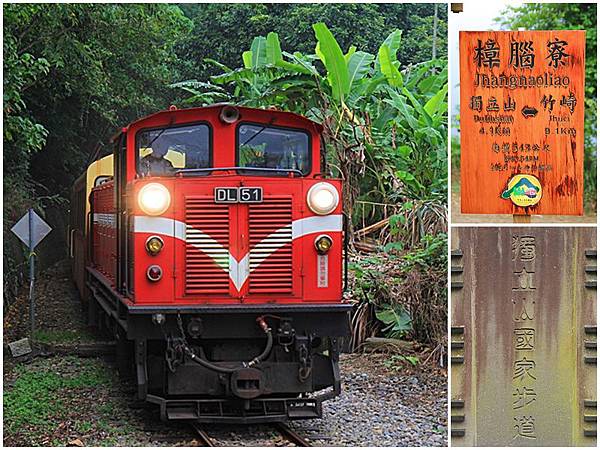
(263, 146)
(162, 151)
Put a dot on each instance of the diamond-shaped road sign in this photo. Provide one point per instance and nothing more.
(40, 229)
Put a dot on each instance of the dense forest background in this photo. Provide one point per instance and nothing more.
(377, 80)
(75, 73)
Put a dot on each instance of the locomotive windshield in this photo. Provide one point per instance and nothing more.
(162, 151)
(263, 146)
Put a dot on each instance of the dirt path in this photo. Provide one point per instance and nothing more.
(58, 314)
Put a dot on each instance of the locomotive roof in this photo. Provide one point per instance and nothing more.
(218, 106)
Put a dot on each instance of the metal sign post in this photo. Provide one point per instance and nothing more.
(31, 274)
(31, 229)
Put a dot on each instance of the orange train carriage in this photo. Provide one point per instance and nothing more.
(211, 243)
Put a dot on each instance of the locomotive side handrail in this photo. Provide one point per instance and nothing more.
(226, 169)
(346, 242)
(71, 242)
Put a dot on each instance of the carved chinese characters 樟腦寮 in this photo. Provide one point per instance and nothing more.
(522, 54)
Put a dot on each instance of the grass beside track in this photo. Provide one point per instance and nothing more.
(46, 395)
(62, 336)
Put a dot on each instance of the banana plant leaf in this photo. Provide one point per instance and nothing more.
(332, 57)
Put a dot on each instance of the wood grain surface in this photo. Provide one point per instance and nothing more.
(522, 112)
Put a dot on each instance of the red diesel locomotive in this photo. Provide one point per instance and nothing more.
(210, 243)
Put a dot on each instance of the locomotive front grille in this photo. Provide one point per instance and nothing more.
(207, 249)
(270, 233)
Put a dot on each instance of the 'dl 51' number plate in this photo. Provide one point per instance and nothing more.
(238, 195)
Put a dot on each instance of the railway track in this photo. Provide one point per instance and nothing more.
(204, 438)
(291, 435)
(206, 441)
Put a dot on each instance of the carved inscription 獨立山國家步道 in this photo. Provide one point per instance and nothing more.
(523, 379)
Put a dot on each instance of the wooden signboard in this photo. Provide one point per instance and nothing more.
(521, 122)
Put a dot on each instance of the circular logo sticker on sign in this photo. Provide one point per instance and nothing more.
(523, 190)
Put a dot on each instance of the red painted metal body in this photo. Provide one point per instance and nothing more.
(104, 243)
(223, 253)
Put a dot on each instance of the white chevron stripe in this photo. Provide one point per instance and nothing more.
(238, 270)
(159, 225)
(316, 224)
(208, 245)
(270, 245)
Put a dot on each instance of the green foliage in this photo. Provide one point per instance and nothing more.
(386, 127)
(84, 427)
(74, 73)
(569, 16)
(406, 288)
(60, 336)
(391, 72)
(431, 254)
(361, 25)
(396, 362)
(396, 320)
(367, 277)
(333, 59)
(21, 132)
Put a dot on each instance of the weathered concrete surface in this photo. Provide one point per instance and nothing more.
(523, 346)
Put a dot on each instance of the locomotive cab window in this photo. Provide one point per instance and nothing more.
(163, 151)
(273, 148)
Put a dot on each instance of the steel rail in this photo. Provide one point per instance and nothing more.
(205, 440)
(291, 435)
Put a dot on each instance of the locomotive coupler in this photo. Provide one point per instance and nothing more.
(247, 383)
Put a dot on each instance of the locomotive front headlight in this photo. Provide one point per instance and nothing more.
(154, 245)
(323, 243)
(154, 199)
(322, 198)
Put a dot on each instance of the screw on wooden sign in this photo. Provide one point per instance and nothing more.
(31, 229)
(521, 122)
